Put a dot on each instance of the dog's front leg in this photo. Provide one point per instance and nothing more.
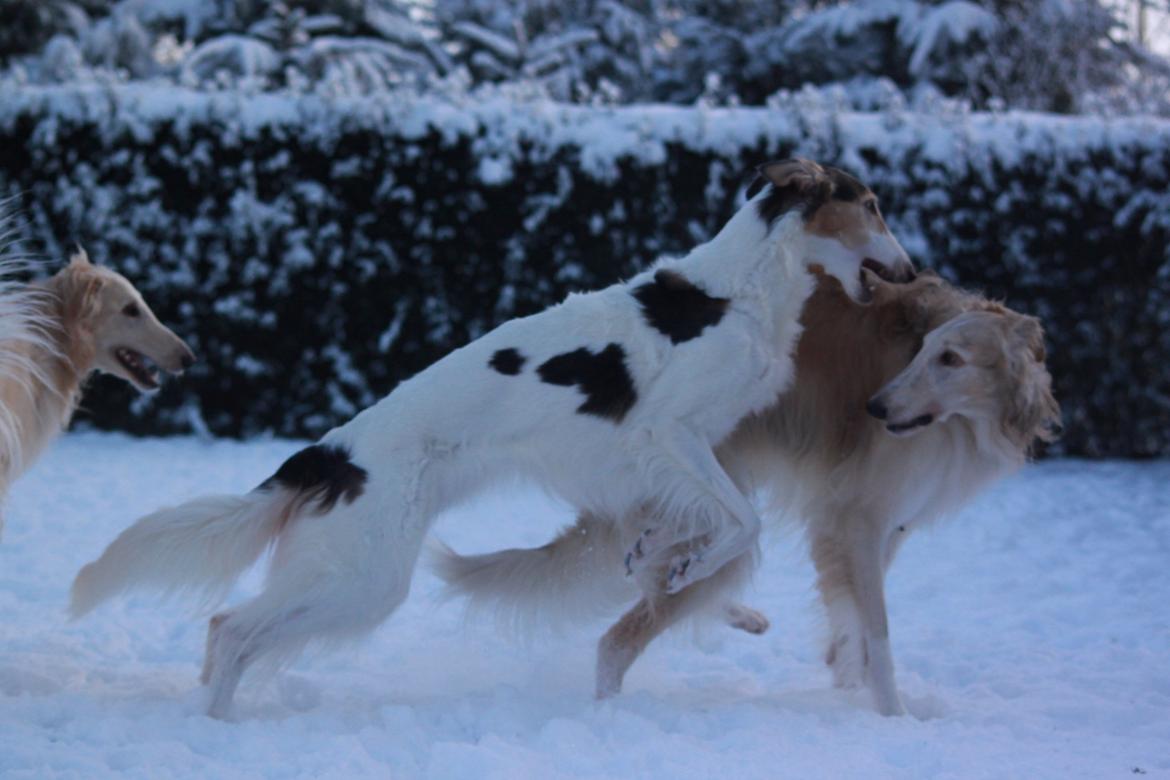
(866, 558)
(692, 477)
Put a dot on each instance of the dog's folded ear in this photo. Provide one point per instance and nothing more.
(79, 258)
(1029, 332)
(1033, 412)
(797, 176)
(79, 288)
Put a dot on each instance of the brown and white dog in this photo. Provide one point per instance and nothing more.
(58, 331)
(957, 392)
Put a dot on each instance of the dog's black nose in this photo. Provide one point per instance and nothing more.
(187, 360)
(877, 408)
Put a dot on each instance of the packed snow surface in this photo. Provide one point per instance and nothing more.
(1030, 633)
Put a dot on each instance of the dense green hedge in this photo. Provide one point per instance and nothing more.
(315, 253)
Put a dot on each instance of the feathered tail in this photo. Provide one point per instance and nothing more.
(205, 544)
(579, 574)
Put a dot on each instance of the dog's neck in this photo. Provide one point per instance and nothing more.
(58, 365)
(72, 352)
(757, 268)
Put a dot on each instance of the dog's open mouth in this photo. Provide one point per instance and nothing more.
(871, 271)
(138, 366)
(906, 427)
(879, 270)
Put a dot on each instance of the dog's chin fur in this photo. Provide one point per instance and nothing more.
(823, 462)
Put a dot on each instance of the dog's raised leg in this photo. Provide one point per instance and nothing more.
(691, 472)
(653, 614)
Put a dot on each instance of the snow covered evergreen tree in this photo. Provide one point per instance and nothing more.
(1052, 55)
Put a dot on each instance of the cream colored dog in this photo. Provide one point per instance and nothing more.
(58, 331)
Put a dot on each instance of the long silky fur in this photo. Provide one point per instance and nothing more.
(27, 333)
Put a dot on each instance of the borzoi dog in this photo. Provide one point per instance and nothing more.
(611, 399)
(85, 318)
(950, 419)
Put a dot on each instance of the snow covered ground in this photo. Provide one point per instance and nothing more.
(1032, 637)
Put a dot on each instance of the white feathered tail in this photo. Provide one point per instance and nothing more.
(203, 545)
(579, 574)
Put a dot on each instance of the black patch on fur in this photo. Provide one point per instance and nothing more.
(323, 472)
(757, 184)
(507, 361)
(780, 201)
(602, 377)
(846, 187)
(677, 308)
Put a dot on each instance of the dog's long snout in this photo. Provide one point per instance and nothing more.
(877, 408)
(185, 358)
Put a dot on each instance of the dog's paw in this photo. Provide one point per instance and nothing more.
(746, 619)
(684, 570)
(639, 554)
(846, 659)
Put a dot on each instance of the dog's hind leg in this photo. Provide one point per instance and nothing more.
(334, 576)
(629, 637)
(278, 624)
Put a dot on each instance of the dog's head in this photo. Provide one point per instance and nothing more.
(104, 311)
(843, 230)
(983, 365)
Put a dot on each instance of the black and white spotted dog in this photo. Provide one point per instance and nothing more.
(613, 399)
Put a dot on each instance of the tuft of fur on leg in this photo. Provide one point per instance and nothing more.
(203, 545)
(578, 574)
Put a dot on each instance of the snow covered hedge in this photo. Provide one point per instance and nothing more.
(315, 251)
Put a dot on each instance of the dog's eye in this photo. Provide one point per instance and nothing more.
(872, 206)
(950, 359)
(131, 310)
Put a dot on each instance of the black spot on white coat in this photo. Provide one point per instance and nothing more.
(507, 361)
(322, 472)
(678, 308)
(602, 377)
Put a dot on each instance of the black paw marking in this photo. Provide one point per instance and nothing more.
(322, 472)
(602, 377)
(507, 361)
(677, 308)
(636, 552)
